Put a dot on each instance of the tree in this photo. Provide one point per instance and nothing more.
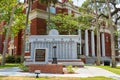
(69, 24)
(8, 14)
(111, 13)
(112, 34)
(48, 2)
(98, 35)
(25, 29)
(65, 24)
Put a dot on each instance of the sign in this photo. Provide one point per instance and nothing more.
(40, 55)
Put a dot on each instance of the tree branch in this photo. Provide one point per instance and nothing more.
(103, 15)
(117, 20)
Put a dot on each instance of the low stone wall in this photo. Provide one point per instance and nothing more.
(46, 68)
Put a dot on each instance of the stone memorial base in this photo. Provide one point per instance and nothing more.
(73, 62)
(46, 68)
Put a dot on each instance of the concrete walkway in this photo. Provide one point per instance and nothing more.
(80, 72)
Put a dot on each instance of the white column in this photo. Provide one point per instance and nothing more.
(32, 50)
(79, 33)
(103, 44)
(92, 43)
(86, 43)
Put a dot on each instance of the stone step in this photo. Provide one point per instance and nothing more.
(73, 62)
(92, 60)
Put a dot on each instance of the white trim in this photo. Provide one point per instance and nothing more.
(37, 13)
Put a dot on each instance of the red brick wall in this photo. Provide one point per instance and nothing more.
(64, 1)
(58, 10)
(18, 43)
(107, 44)
(38, 26)
(2, 23)
(38, 5)
(61, 10)
(46, 68)
(64, 10)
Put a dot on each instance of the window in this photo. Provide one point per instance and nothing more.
(28, 29)
(27, 46)
(52, 10)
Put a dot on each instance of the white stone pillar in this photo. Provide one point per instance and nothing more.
(103, 44)
(86, 43)
(79, 33)
(92, 43)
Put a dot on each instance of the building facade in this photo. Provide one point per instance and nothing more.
(38, 26)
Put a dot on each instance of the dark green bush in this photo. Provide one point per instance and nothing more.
(12, 59)
(17, 59)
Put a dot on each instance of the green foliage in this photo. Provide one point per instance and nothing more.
(86, 20)
(10, 59)
(17, 59)
(64, 23)
(48, 1)
(69, 69)
(13, 59)
(6, 7)
(24, 68)
(55, 78)
(117, 33)
(8, 65)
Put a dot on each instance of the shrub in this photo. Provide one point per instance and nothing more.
(69, 69)
(10, 59)
(24, 68)
(17, 59)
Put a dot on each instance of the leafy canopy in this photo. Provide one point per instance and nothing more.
(6, 7)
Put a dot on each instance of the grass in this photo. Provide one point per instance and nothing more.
(8, 65)
(109, 68)
(54, 78)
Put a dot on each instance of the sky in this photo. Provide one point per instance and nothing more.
(79, 3)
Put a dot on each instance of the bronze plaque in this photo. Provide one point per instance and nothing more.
(40, 55)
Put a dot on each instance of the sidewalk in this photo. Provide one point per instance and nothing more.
(80, 72)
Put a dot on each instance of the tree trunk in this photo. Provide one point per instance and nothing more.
(25, 31)
(7, 37)
(98, 36)
(112, 36)
(48, 17)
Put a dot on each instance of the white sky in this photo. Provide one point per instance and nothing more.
(76, 2)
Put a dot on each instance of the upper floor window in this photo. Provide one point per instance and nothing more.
(52, 10)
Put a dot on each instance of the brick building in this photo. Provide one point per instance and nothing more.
(38, 26)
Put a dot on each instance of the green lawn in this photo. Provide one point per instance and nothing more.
(54, 78)
(7, 65)
(109, 68)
